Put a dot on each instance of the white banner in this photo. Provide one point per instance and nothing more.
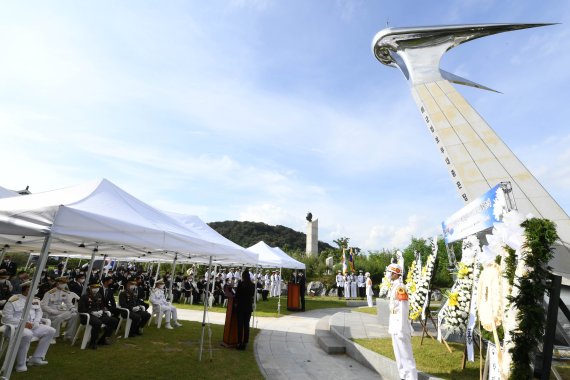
(493, 359)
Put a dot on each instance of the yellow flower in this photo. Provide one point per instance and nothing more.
(463, 271)
(453, 299)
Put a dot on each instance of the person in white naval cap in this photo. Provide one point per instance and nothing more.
(58, 306)
(158, 298)
(339, 284)
(361, 280)
(12, 314)
(399, 325)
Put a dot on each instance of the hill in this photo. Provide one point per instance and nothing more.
(247, 234)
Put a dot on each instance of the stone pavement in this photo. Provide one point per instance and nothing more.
(286, 347)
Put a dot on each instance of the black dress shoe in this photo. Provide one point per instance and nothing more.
(104, 342)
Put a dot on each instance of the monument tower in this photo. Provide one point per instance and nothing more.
(474, 155)
(312, 248)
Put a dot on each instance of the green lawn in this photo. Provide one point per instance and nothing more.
(158, 354)
(432, 357)
(269, 308)
(367, 310)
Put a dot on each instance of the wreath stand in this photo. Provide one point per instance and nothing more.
(424, 324)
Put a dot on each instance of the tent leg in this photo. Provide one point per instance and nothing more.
(2, 253)
(279, 289)
(88, 274)
(17, 338)
(206, 296)
(254, 300)
(157, 272)
(172, 277)
(28, 262)
(102, 267)
(64, 266)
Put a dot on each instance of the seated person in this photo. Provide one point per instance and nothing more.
(137, 313)
(157, 298)
(76, 285)
(5, 287)
(47, 284)
(92, 304)
(142, 291)
(176, 292)
(58, 307)
(22, 277)
(108, 294)
(12, 315)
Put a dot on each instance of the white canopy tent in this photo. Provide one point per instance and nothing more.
(5, 193)
(95, 214)
(275, 258)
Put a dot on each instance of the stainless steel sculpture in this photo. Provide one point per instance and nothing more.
(475, 156)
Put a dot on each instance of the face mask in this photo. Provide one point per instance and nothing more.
(61, 286)
(81, 280)
(161, 286)
(132, 287)
(94, 291)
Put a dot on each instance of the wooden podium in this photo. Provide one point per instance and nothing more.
(293, 297)
(230, 326)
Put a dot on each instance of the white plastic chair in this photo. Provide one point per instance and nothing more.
(127, 320)
(157, 313)
(87, 333)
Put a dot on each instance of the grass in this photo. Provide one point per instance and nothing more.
(158, 354)
(366, 309)
(563, 371)
(447, 365)
(269, 308)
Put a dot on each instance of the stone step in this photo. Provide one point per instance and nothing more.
(326, 340)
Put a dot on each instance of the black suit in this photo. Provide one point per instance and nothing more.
(139, 318)
(11, 268)
(302, 290)
(89, 303)
(244, 304)
(109, 302)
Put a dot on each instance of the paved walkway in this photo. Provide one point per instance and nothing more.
(286, 348)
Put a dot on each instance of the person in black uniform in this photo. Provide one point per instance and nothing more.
(108, 294)
(76, 285)
(5, 288)
(92, 303)
(302, 288)
(139, 316)
(244, 303)
(10, 266)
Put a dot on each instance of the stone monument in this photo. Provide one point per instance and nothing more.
(312, 248)
(474, 155)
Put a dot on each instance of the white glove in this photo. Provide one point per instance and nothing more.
(108, 313)
(97, 314)
(136, 308)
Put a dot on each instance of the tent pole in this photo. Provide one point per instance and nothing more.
(206, 296)
(157, 272)
(17, 338)
(89, 270)
(102, 267)
(2, 253)
(279, 296)
(64, 266)
(28, 262)
(172, 277)
(254, 299)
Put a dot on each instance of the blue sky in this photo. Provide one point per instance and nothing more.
(264, 110)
